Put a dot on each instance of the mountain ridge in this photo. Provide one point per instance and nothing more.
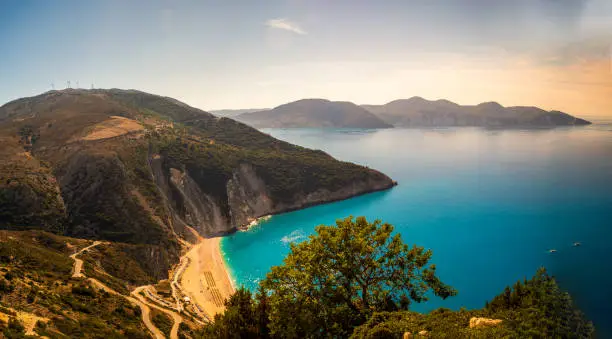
(141, 169)
(420, 112)
(314, 113)
(412, 112)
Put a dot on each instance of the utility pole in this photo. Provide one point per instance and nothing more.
(68, 83)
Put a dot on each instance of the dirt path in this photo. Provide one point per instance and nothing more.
(136, 298)
(28, 320)
(175, 317)
(78, 263)
(144, 308)
(174, 285)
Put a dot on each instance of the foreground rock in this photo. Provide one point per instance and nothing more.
(476, 322)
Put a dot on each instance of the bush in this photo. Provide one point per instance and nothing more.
(162, 322)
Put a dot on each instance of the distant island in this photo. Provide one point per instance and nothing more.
(413, 112)
(419, 112)
(111, 207)
(315, 113)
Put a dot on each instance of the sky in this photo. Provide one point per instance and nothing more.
(555, 54)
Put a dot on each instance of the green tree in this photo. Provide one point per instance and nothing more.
(540, 309)
(238, 321)
(332, 282)
(262, 310)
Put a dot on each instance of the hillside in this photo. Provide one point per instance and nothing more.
(314, 113)
(418, 112)
(142, 170)
(232, 113)
(40, 296)
(38, 293)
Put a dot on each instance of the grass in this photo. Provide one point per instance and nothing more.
(36, 278)
(162, 321)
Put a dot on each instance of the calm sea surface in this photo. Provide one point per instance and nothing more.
(489, 203)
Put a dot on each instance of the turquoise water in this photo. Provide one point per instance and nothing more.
(489, 203)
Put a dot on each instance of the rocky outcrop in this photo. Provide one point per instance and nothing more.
(476, 322)
(247, 198)
(409, 335)
(200, 210)
(323, 195)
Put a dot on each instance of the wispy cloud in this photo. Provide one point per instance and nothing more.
(286, 25)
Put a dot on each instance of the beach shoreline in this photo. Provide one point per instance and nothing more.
(207, 280)
(228, 270)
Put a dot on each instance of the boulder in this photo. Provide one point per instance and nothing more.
(482, 322)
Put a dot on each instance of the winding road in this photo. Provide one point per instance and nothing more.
(175, 316)
(135, 298)
(78, 263)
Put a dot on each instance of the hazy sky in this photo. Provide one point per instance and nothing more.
(556, 54)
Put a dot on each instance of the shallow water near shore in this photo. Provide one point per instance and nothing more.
(489, 203)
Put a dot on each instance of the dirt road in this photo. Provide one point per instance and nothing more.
(144, 309)
(78, 263)
(175, 316)
(136, 298)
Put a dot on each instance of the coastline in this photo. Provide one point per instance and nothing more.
(228, 268)
(206, 279)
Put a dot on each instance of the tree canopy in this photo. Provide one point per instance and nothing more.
(357, 279)
(338, 277)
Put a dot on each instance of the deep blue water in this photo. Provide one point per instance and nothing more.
(489, 203)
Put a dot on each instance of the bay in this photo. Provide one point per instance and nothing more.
(489, 203)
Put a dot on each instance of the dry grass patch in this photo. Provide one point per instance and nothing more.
(113, 127)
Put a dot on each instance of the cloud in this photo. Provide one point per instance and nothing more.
(285, 25)
(577, 52)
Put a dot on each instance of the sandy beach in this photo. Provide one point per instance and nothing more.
(206, 279)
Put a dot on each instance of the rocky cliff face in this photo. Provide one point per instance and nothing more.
(198, 209)
(248, 198)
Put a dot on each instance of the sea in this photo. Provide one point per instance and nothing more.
(489, 203)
